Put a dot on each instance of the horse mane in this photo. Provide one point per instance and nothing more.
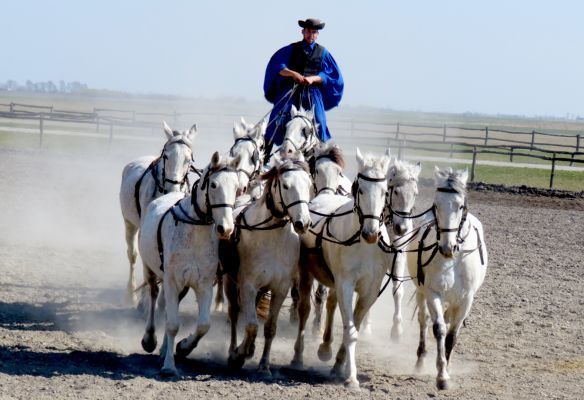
(336, 155)
(451, 180)
(271, 175)
(401, 173)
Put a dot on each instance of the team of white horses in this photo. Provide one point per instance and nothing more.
(259, 229)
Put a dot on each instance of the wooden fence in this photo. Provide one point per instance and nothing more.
(443, 139)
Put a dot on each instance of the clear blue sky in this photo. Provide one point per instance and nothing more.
(515, 57)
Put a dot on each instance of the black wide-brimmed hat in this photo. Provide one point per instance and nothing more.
(311, 23)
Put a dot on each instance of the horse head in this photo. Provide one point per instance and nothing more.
(450, 208)
(300, 132)
(177, 156)
(402, 180)
(249, 145)
(370, 192)
(326, 168)
(220, 184)
(287, 190)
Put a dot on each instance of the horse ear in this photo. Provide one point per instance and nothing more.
(417, 169)
(237, 129)
(243, 121)
(463, 176)
(193, 132)
(439, 175)
(293, 111)
(167, 130)
(234, 163)
(359, 157)
(215, 159)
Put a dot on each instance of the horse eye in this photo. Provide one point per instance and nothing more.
(213, 185)
(285, 186)
(461, 207)
(360, 191)
(316, 172)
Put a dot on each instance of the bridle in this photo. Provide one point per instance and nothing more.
(357, 205)
(310, 138)
(458, 230)
(271, 204)
(164, 157)
(312, 163)
(256, 157)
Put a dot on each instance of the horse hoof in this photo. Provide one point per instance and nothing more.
(442, 384)
(396, 334)
(235, 362)
(168, 372)
(149, 345)
(296, 364)
(264, 372)
(352, 384)
(367, 330)
(181, 350)
(324, 352)
(218, 307)
(419, 365)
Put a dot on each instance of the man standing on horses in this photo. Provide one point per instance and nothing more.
(304, 74)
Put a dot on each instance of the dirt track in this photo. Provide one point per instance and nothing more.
(65, 332)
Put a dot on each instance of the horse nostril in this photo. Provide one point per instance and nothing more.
(220, 229)
(298, 225)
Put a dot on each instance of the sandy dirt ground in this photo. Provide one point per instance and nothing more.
(66, 332)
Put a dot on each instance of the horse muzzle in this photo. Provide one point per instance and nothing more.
(370, 237)
(300, 227)
(224, 232)
(448, 250)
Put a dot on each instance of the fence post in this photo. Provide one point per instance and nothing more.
(400, 151)
(397, 131)
(111, 136)
(532, 138)
(486, 134)
(444, 134)
(577, 143)
(11, 107)
(474, 163)
(553, 171)
(41, 129)
(511, 154)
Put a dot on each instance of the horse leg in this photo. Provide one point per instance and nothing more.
(132, 252)
(319, 297)
(247, 300)
(324, 350)
(304, 289)
(270, 328)
(398, 293)
(204, 298)
(219, 297)
(172, 325)
(230, 288)
(439, 329)
(366, 329)
(295, 294)
(423, 323)
(459, 315)
(149, 338)
(345, 292)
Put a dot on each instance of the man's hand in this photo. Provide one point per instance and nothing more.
(311, 80)
(298, 78)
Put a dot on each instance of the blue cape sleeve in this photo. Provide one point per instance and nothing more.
(272, 79)
(332, 82)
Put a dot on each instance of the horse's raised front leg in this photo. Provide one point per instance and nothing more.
(132, 252)
(172, 325)
(319, 297)
(270, 327)
(247, 301)
(149, 338)
(204, 295)
(439, 328)
(398, 293)
(423, 323)
(304, 291)
(325, 352)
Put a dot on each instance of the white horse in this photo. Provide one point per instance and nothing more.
(403, 190)
(249, 146)
(351, 261)
(300, 133)
(326, 169)
(449, 267)
(179, 245)
(149, 177)
(267, 249)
